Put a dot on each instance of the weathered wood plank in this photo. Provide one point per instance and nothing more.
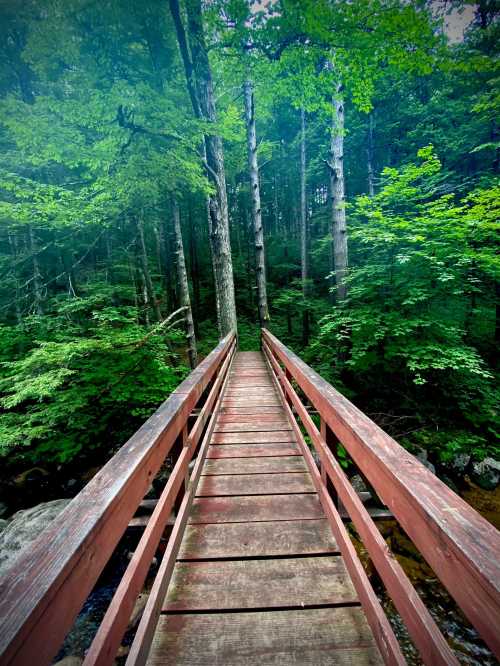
(250, 409)
(255, 508)
(260, 465)
(247, 388)
(239, 426)
(264, 539)
(253, 450)
(264, 419)
(255, 484)
(227, 585)
(252, 401)
(253, 437)
(320, 637)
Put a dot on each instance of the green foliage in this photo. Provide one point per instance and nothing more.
(421, 296)
(73, 388)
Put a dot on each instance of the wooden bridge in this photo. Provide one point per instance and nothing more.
(258, 566)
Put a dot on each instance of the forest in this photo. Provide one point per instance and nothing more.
(172, 170)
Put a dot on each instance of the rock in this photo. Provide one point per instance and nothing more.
(69, 661)
(460, 463)
(421, 454)
(29, 476)
(140, 605)
(123, 651)
(358, 484)
(486, 473)
(4, 509)
(24, 527)
(3, 524)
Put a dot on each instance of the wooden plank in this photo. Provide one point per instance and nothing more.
(255, 508)
(253, 437)
(252, 401)
(459, 544)
(253, 450)
(255, 484)
(249, 394)
(243, 391)
(48, 584)
(249, 409)
(313, 637)
(260, 465)
(252, 419)
(259, 584)
(256, 426)
(264, 539)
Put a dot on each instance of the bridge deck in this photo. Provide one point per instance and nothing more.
(259, 577)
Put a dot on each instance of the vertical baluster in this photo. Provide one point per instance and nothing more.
(331, 443)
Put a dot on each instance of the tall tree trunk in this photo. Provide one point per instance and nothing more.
(303, 229)
(37, 278)
(253, 167)
(195, 270)
(184, 286)
(337, 196)
(148, 282)
(200, 88)
(14, 253)
(369, 156)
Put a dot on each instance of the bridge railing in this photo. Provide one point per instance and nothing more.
(43, 592)
(462, 548)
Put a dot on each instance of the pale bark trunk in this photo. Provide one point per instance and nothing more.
(253, 167)
(369, 156)
(195, 270)
(184, 287)
(303, 228)
(37, 281)
(148, 282)
(337, 196)
(13, 249)
(200, 89)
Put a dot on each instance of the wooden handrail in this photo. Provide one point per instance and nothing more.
(460, 546)
(41, 595)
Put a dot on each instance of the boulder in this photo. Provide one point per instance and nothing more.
(69, 661)
(460, 463)
(24, 527)
(486, 474)
(421, 454)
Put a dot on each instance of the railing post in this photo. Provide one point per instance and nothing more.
(180, 442)
(332, 443)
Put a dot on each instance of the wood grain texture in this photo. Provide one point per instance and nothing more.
(253, 450)
(261, 465)
(252, 418)
(459, 544)
(251, 409)
(320, 637)
(255, 508)
(253, 437)
(251, 401)
(255, 484)
(257, 426)
(259, 584)
(264, 539)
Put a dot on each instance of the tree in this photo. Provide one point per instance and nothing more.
(253, 168)
(199, 82)
(184, 285)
